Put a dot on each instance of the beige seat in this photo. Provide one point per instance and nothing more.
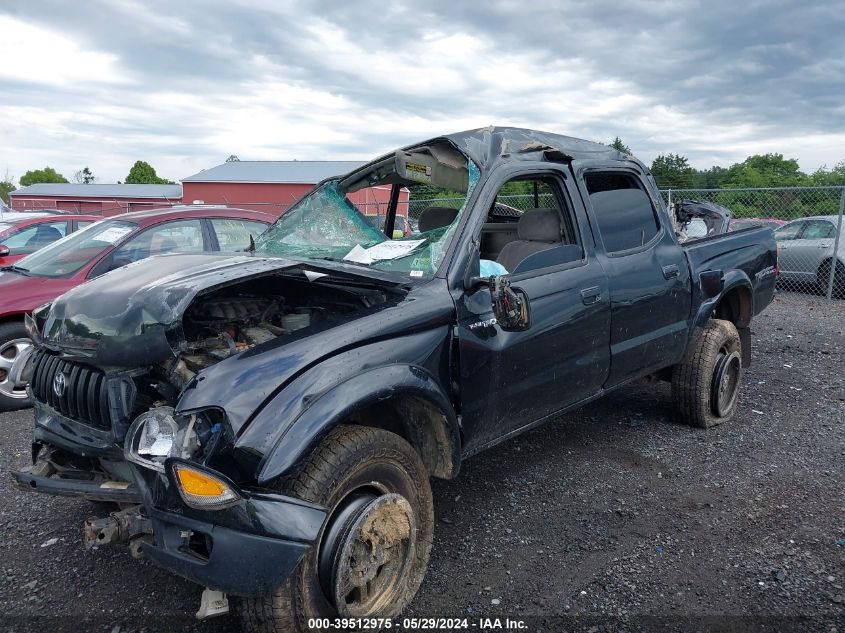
(538, 230)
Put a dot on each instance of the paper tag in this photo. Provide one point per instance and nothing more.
(112, 234)
(358, 254)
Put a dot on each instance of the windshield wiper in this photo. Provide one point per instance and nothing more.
(17, 269)
(344, 261)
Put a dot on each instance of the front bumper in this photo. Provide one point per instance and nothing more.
(247, 549)
(237, 562)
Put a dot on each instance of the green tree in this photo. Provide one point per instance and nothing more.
(712, 178)
(6, 187)
(766, 170)
(84, 176)
(142, 173)
(619, 146)
(48, 174)
(672, 171)
(824, 177)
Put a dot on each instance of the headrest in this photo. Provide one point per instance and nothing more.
(539, 225)
(436, 217)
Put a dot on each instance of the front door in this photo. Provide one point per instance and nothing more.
(812, 247)
(511, 379)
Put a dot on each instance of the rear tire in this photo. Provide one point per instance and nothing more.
(365, 477)
(823, 278)
(12, 337)
(705, 384)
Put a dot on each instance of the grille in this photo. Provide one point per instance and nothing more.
(85, 395)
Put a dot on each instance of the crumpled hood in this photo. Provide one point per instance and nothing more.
(124, 318)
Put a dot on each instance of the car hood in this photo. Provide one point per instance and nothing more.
(131, 311)
(20, 293)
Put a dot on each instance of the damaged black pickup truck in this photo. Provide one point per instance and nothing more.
(268, 421)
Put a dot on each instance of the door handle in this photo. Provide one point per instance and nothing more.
(824, 245)
(590, 295)
(671, 271)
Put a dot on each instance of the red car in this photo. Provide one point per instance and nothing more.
(22, 234)
(111, 243)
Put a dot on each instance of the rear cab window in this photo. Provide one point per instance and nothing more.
(625, 216)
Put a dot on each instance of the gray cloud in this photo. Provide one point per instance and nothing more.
(183, 86)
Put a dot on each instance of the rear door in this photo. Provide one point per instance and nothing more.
(648, 275)
(510, 380)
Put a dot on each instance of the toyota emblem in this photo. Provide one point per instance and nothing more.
(59, 383)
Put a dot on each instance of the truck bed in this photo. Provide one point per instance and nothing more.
(752, 251)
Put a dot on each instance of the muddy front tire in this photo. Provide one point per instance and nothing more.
(705, 384)
(371, 555)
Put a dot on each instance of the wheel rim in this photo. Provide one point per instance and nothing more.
(725, 385)
(9, 351)
(366, 553)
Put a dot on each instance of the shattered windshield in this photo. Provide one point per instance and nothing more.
(345, 219)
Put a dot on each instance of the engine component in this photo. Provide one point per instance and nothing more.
(118, 527)
(297, 320)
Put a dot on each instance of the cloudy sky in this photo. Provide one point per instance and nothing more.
(184, 84)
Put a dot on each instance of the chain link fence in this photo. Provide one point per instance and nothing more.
(808, 224)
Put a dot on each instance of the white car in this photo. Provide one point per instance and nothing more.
(806, 252)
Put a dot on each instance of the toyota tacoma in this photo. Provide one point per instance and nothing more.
(267, 421)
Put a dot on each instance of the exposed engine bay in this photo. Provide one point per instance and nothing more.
(224, 322)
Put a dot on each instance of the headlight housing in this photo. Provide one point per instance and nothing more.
(158, 434)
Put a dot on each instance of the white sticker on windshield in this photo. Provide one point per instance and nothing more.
(112, 234)
(388, 249)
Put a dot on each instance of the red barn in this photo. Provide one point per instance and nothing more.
(274, 185)
(270, 186)
(106, 200)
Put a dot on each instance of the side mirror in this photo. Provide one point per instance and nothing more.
(4, 250)
(510, 305)
(711, 282)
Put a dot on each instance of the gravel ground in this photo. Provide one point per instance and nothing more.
(612, 518)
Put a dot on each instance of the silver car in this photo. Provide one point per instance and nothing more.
(806, 252)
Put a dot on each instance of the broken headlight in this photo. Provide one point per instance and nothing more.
(158, 434)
